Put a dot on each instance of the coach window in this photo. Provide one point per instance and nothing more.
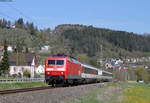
(87, 70)
(51, 62)
(95, 71)
(59, 62)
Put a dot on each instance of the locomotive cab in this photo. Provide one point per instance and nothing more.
(55, 70)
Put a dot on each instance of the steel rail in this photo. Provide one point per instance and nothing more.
(2, 92)
(22, 90)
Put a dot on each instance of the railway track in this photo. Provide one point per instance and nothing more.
(12, 91)
(2, 92)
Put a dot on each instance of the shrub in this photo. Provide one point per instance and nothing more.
(142, 74)
(26, 73)
(14, 75)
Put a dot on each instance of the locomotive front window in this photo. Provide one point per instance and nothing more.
(51, 62)
(59, 62)
(55, 62)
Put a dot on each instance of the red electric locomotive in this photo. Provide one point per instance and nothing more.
(67, 70)
(62, 70)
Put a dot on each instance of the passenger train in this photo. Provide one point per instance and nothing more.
(67, 70)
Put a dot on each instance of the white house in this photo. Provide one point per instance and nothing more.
(18, 70)
(40, 69)
(21, 62)
(46, 47)
(108, 65)
(117, 61)
(10, 49)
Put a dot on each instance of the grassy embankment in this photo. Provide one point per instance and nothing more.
(139, 93)
(4, 86)
(8, 77)
(117, 93)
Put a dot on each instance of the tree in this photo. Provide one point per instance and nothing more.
(93, 62)
(31, 29)
(4, 65)
(19, 44)
(19, 23)
(3, 23)
(142, 74)
(83, 58)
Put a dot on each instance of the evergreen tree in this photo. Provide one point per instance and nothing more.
(19, 23)
(3, 23)
(4, 65)
(31, 29)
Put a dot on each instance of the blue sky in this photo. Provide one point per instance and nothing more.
(126, 15)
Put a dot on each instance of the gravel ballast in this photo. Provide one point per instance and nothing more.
(56, 95)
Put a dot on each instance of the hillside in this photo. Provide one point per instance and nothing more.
(75, 40)
(87, 39)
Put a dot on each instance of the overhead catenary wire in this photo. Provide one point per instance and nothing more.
(28, 18)
(20, 12)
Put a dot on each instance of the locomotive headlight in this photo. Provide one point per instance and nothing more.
(62, 72)
(60, 69)
(50, 69)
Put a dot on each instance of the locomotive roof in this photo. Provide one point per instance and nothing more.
(63, 56)
(57, 56)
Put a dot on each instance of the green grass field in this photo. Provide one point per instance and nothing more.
(8, 77)
(4, 86)
(139, 93)
(117, 93)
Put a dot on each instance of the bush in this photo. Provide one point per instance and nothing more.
(142, 74)
(27, 74)
(14, 75)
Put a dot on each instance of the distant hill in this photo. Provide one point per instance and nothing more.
(87, 39)
(74, 39)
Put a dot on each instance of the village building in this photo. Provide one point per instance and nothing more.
(9, 49)
(44, 49)
(19, 62)
(40, 69)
